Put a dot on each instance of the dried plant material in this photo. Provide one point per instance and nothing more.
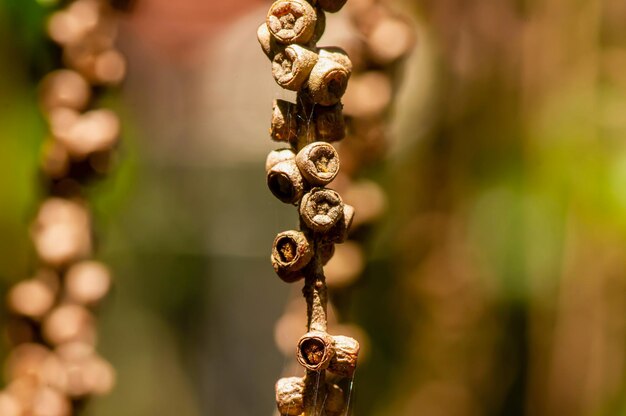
(25, 360)
(277, 156)
(328, 81)
(290, 396)
(326, 251)
(319, 163)
(292, 21)
(87, 282)
(315, 350)
(61, 232)
(285, 181)
(10, 406)
(335, 401)
(93, 131)
(321, 209)
(291, 252)
(267, 41)
(339, 233)
(284, 126)
(64, 88)
(69, 323)
(330, 125)
(338, 55)
(291, 67)
(331, 6)
(50, 402)
(390, 39)
(343, 362)
(31, 298)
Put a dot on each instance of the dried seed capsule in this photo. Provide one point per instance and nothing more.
(284, 121)
(69, 323)
(331, 6)
(87, 282)
(318, 162)
(328, 81)
(285, 181)
(330, 125)
(321, 209)
(292, 21)
(290, 396)
(290, 254)
(343, 362)
(292, 66)
(338, 55)
(315, 350)
(339, 233)
(277, 156)
(64, 88)
(335, 401)
(32, 298)
(267, 41)
(320, 27)
(93, 131)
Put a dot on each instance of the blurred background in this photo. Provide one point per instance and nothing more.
(495, 284)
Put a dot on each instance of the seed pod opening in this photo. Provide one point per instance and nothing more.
(344, 361)
(292, 21)
(321, 209)
(290, 396)
(285, 181)
(341, 230)
(318, 162)
(291, 252)
(330, 125)
(315, 350)
(267, 41)
(328, 81)
(277, 156)
(292, 66)
(331, 6)
(284, 126)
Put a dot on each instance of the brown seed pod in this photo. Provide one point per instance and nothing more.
(267, 41)
(321, 209)
(318, 162)
(326, 252)
(338, 55)
(328, 81)
(290, 396)
(277, 156)
(320, 27)
(64, 88)
(331, 6)
(339, 233)
(32, 298)
(292, 21)
(68, 323)
(284, 126)
(292, 66)
(315, 350)
(291, 252)
(87, 282)
(335, 401)
(344, 361)
(285, 181)
(330, 125)
(93, 131)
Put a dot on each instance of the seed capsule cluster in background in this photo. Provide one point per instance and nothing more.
(298, 174)
(53, 365)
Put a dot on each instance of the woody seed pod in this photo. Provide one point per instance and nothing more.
(292, 66)
(335, 402)
(344, 361)
(285, 181)
(290, 396)
(291, 253)
(292, 21)
(32, 298)
(64, 88)
(284, 121)
(339, 233)
(338, 55)
(315, 350)
(277, 156)
(321, 209)
(87, 282)
(328, 81)
(267, 41)
(330, 125)
(318, 162)
(331, 6)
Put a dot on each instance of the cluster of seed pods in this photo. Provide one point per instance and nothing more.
(298, 175)
(53, 366)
